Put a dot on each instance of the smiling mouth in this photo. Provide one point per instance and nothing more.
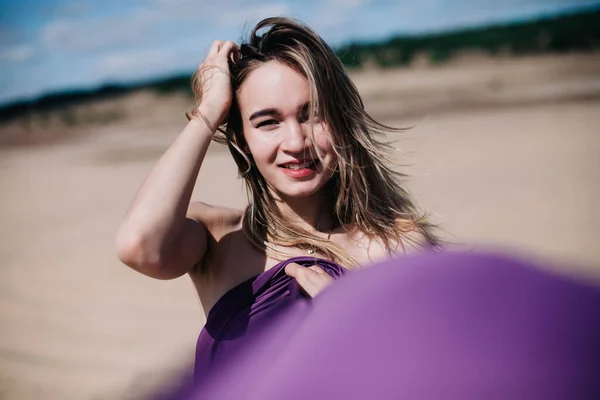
(296, 166)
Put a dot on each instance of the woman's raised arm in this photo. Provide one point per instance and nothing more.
(158, 236)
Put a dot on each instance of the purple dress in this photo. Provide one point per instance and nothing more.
(430, 326)
(244, 315)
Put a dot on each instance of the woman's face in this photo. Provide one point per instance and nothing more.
(273, 103)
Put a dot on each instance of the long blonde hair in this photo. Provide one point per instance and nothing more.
(365, 192)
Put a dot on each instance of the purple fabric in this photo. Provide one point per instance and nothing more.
(430, 326)
(245, 315)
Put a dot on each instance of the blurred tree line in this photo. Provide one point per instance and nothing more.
(578, 32)
(574, 32)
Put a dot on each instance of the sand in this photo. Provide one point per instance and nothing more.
(504, 154)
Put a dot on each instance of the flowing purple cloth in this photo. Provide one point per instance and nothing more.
(245, 315)
(430, 326)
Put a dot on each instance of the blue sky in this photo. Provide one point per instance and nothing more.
(49, 45)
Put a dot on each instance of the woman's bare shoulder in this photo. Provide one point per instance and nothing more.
(420, 235)
(412, 240)
(415, 240)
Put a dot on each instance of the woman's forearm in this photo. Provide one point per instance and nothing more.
(157, 213)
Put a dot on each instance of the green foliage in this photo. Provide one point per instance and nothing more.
(176, 84)
(69, 118)
(439, 55)
(560, 34)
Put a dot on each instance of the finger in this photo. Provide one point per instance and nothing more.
(307, 278)
(236, 54)
(317, 269)
(294, 270)
(228, 48)
(214, 49)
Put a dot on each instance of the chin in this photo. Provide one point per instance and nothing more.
(299, 190)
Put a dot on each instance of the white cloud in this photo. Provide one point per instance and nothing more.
(180, 3)
(116, 63)
(78, 35)
(241, 15)
(348, 3)
(148, 25)
(144, 64)
(225, 13)
(17, 53)
(78, 7)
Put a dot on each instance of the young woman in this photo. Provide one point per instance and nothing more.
(318, 178)
(321, 191)
(321, 194)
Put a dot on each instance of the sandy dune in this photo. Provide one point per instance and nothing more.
(505, 154)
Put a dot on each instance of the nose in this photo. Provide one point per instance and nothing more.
(295, 139)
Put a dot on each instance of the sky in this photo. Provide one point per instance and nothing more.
(52, 45)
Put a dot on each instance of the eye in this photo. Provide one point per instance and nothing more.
(267, 123)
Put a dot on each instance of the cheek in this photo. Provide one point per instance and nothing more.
(261, 145)
(323, 139)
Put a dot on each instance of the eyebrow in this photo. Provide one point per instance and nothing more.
(272, 111)
(265, 112)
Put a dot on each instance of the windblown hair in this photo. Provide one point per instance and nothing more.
(366, 196)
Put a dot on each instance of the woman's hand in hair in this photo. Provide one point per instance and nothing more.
(212, 83)
(311, 279)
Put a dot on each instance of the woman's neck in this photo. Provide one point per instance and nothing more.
(311, 213)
